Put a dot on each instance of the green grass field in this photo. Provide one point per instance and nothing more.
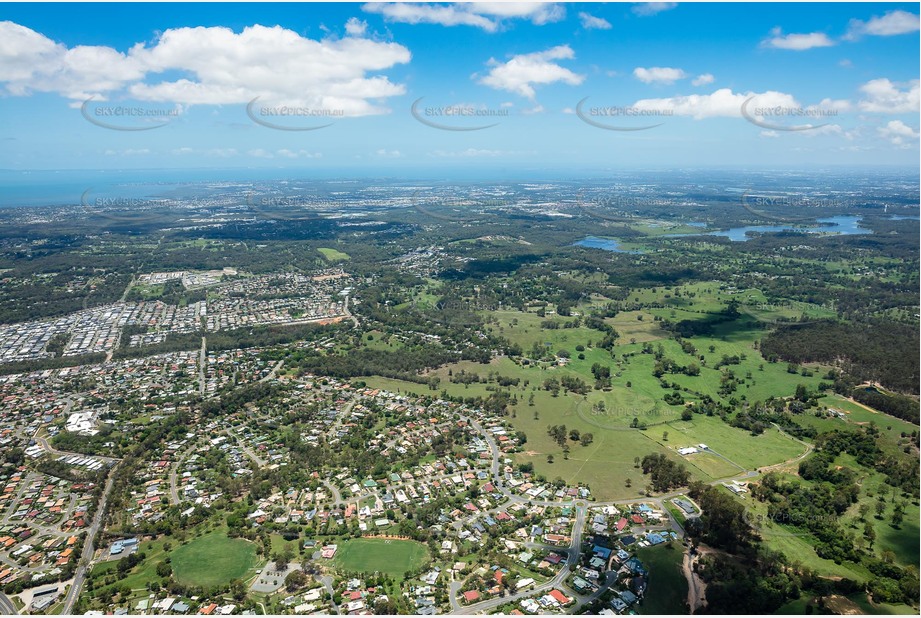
(213, 559)
(668, 587)
(333, 255)
(607, 463)
(392, 557)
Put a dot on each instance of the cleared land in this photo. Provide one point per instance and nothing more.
(213, 559)
(333, 255)
(668, 587)
(390, 556)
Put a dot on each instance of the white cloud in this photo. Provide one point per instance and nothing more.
(797, 42)
(724, 103)
(590, 22)
(297, 154)
(721, 103)
(703, 80)
(897, 132)
(524, 71)
(661, 75)
(31, 62)
(487, 16)
(259, 153)
(356, 27)
(645, 9)
(530, 111)
(539, 13)
(884, 96)
(890, 24)
(388, 154)
(771, 134)
(211, 66)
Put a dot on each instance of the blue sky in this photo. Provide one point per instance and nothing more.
(825, 84)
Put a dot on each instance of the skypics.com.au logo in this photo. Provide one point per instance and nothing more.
(291, 117)
(788, 208)
(463, 209)
(602, 117)
(308, 206)
(460, 117)
(619, 208)
(791, 312)
(773, 117)
(127, 117)
(123, 210)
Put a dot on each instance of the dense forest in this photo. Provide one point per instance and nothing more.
(884, 352)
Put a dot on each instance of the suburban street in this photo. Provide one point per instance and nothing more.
(86, 559)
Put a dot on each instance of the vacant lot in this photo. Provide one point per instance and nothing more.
(668, 587)
(333, 255)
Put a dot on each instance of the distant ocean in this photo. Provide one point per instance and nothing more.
(64, 188)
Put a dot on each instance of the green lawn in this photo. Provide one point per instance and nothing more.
(213, 559)
(668, 587)
(388, 556)
(333, 255)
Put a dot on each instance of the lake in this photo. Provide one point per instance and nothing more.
(846, 225)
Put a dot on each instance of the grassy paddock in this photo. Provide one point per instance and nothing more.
(390, 556)
(213, 559)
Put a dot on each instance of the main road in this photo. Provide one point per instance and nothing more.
(86, 558)
(6, 606)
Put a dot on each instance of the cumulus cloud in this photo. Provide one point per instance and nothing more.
(890, 24)
(659, 75)
(797, 42)
(355, 27)
(721, 103)
(209, 65)
(522, 72)
(590, 22)
(898, 133)
(487, 16)
(703, 80)
(644, 9)
(31, 62)
(887, 97)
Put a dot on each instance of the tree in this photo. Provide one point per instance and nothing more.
(238, 589)
(869, 533)
(880, 507)
(586, 439)
(296, 580)
(898, 514)
(664, 436)
(574, 435)
(549, 459)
